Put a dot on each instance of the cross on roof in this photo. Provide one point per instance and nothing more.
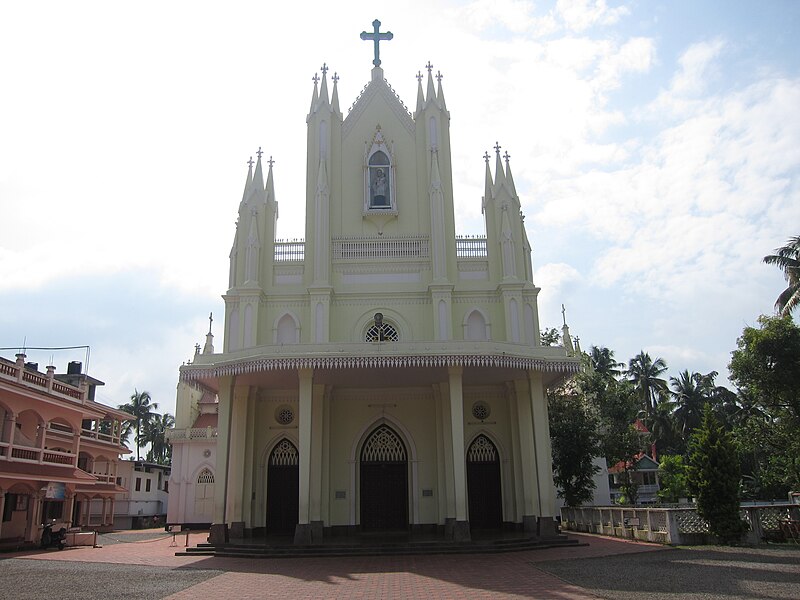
(335, 77)
(564, 314)
(506, 156)
(315, 78)
(259, 152)
(497, 147)
(486, 157)
(419, 76)
(376, 36)
(324, 69)
(250, 162)
(439, 76)
(270, 162)
(429, 66)
(210, 321)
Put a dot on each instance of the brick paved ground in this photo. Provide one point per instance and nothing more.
(605, 568)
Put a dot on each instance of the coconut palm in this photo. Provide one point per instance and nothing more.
(602, 361)
(787, 258)
(143, 408)
(156, 435)
(691, 392)
(644, 373)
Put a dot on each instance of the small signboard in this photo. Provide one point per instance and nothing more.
(56, 490)
(631, 522)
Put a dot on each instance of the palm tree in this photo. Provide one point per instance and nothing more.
(691, 393)
(156, 435)
(644, 373)
(787, 258)
(602, 361)
(142, 407)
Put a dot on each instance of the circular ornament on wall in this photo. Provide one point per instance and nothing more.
(284, 415)
(481, 410)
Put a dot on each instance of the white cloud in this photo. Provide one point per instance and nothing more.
(579, 15)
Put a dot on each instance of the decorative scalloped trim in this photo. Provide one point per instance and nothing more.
(188, 373)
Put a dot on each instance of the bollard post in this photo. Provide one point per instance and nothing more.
(187, 539)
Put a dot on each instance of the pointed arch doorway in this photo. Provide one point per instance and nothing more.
(483, 485)
(283, 488)
(384, 482)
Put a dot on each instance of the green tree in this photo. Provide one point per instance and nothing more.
(787, 258)
(690, 393)
(644, 373)
(714, 478)
(575, 442)
(550, 336)
(143, 408)
(602, 360)
(156, 435)
(672, 479)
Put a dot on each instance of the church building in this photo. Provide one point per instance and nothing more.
(385, 374)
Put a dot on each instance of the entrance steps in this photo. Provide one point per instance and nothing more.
(359, 546)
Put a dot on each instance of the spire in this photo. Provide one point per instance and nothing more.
(509, 178)
(487, 192)
(430, 93)
(499, 174)
(420, 95)
(209, 347)
(439, 91)
(269, 190)
(335, 99)
(247, 184)
(566, 339)
(315, 95)
(258, 177)
(323, 90)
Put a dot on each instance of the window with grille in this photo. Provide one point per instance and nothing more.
(383, 445)
(284, 454)
(383, 332)
(206, 476)
(482, 450)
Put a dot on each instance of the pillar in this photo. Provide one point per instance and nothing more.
(315, 484)
(544, 457)
(219, 528)
(70, 507)
(236, 458)
(2, 509)
(461, 531)
(302, 534)
(527, 451)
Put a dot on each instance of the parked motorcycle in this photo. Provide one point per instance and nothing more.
(53, 539)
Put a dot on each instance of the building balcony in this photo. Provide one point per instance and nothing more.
(192, 433)
(26, 454)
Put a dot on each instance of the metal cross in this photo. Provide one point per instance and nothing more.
(486, 157)
(210, 321)
(419, 76)
(506, 156)
(497, 147)
(259, 153)
(376, 36)
(439, 76)
(335, 77)
(324, 69)
(315, 78)
(250, 162)
(429, 66)
(270, 161)
(564, 314)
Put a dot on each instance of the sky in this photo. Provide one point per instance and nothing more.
(655, 147)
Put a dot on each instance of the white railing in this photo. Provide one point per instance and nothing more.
(294, 251)
(412, 247)
(192, 433)
(471, 247)
(672, 525)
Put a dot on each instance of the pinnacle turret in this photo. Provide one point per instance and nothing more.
(439, 91)
(335, 97)
(420, 94)
(499, 173)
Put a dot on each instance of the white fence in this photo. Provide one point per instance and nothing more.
(672, 525)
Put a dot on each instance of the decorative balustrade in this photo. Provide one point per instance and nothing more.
(294, 251)
(48, 383)
(192, 433)
(97, 435)
(412, 247)
(8, 369)
(59, 458)
(471, 247)
(672, 525)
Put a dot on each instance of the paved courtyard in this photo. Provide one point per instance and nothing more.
(144, 565)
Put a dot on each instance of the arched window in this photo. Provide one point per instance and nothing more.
(381, 332)
(205, 476)
(475, 327)
(380, 174)
(286, 330)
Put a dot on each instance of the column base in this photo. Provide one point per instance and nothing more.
(218, 534)
(448, 528)
(461, 531)
(530, 524)
(316, 532)
(237, 530)
(547, 528)
(303, 534)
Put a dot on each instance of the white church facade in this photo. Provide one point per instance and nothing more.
(384, 374)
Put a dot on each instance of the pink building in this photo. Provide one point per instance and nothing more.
(59, 451)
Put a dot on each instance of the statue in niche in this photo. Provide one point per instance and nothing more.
(379, 186)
